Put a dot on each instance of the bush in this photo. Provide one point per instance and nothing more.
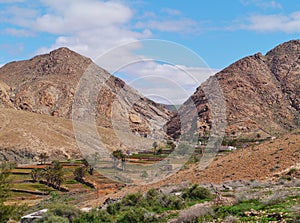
(194, 213)
(172, 202)
(137, 215)
(196, 192)
(132, 199)
(54, 219)
(94, 216)
(114, 208)
(61, 212)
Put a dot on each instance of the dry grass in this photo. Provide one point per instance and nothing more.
(25, 135)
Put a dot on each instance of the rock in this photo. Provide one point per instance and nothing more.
(135, 119)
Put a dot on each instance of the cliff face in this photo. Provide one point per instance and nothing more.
(46, 84)
(262, 95)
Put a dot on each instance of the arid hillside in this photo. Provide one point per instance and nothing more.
(261, 95)
(25, 135)
(268, 160)
(46, 84)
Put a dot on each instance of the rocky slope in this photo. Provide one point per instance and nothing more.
(46, 84)
(262, 95)
(36, 108)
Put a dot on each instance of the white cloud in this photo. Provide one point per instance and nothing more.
(164, 82)
(20, 16)
(88, 27)
(79, 16)
(262, 4)
(172, 12)
(184, 25)
(19, 32)
(274, 23)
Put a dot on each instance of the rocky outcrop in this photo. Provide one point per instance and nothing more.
(5, 96)
(262, 95)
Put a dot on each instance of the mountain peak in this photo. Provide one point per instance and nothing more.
(65, 51)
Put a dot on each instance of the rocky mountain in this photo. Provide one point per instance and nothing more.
(261, 92)
(46, 85)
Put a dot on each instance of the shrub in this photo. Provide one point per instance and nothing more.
(136, 215)
(132, 199)
(54, 219)
(94, 216)
(276, 198)
(114, 208)
(152, 197)
(194, 213)
(196, 192)
(173, 202)
(61, 212)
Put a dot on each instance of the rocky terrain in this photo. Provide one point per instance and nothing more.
(261, 96)
(46, 84)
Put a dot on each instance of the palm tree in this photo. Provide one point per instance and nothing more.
(53, 174)
(119, 155)
(79, 173)
(43, 157)
(35, 175)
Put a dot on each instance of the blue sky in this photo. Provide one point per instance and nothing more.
(221, 32)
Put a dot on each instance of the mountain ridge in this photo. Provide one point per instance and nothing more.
(260, 102)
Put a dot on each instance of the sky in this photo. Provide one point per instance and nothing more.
(218, 32)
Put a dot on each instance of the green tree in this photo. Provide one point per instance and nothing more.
(7, 212)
